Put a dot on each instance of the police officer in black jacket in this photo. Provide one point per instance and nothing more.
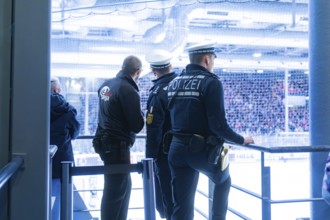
(119, 119)
(158, 123)
(199, 128)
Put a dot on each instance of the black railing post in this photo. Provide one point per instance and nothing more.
(66, 191)
(265, 189)
(148, 189)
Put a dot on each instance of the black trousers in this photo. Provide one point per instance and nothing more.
(164, 193)
(185, 167)
(117, 187)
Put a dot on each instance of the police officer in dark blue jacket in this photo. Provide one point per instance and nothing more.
(119, 119)
(64, 127)
(199, 127)
(158, 123)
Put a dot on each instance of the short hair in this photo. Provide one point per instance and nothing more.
(54, 84)
(131, 64)
(196, 58)
(163, 70)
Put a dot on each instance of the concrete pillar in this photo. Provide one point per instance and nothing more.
(29, 129)
(319, 67)
(5, 55)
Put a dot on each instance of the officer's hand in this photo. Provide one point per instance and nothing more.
(248, 140)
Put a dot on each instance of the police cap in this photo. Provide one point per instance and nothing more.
(159, 59)
(202, 48)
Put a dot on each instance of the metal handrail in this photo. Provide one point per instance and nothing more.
(10, 169)
(285, 149)
(265, 179)
(265, 196)
(272, 149)
(145, 168)
(52, 150)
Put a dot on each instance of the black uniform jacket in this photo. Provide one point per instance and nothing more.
(120, 116)
(158, 120)
(63, 128)
(196, 104)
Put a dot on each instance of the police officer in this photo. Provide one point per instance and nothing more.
(199, 128)
(119, 119)
(158, 123)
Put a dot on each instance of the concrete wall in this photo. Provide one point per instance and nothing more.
(5, 46)
(29, 193)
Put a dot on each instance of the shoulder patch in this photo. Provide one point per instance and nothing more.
(105, 93)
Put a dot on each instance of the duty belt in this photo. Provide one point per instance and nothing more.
(182, 138)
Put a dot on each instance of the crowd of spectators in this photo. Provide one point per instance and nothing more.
(254, 102)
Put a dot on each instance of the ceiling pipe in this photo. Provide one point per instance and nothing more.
(251, 37)
(175, 31)
(176, 38)
(175, 28)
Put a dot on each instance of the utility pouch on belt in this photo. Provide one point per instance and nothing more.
(97, 144)
(167, 139)
(224, 159)
(214, 154)
(102, 144)
(106, 144)
(196, 143)
(215, 150)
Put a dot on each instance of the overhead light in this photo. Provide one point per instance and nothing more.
(256, 55)
(260, 71)
(246, 21)
(112, 49)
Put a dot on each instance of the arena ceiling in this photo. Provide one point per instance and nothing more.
(250, 34)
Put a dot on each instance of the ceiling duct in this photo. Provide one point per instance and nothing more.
(250, 37)
(174, 28)
(175, 31)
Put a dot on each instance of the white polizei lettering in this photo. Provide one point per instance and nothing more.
(187, 84)
(195, 84)
(199, 82)
(171, 85)
(192, 84)
(175, 84)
